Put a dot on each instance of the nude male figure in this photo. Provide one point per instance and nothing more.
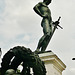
(42, 9)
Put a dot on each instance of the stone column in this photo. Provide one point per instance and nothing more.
(54, 66)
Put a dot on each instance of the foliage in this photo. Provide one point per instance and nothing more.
(15, 56)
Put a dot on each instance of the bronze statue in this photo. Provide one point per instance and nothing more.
(42, 9)
(0, 52)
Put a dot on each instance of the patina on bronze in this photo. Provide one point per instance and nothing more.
(43, 10)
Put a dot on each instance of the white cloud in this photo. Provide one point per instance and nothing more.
(72, 70)
(26, 38)
(14, 13)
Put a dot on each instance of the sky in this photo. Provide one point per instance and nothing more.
(20, 25)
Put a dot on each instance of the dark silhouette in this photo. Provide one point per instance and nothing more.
(42, 9)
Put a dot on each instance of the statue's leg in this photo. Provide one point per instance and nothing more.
(47, 29)
(40, 42)
(45, 43)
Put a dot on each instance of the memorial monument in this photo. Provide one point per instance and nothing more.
(41, 62)
(42, 10)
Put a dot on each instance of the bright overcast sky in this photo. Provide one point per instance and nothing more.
(20, 25)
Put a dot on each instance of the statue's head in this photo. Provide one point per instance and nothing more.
(47, 2)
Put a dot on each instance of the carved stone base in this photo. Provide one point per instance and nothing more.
(54, 66)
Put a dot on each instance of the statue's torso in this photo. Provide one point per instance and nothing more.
(42, 10)
(45, 11)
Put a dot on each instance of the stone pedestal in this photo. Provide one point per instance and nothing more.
(54, 66)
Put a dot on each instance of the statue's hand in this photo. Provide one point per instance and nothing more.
(56, 22)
